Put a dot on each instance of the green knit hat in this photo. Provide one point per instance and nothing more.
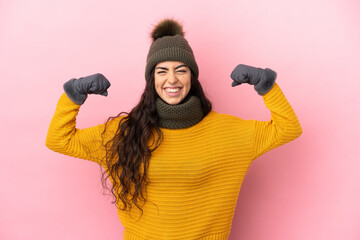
(169, 44)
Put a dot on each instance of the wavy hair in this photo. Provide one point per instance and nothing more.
(128, 152)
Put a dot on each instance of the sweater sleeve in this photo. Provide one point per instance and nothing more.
(283, 126)
(63, 136)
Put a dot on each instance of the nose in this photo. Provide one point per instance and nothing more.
(172, 78)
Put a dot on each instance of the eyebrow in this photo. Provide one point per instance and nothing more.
(164, 68)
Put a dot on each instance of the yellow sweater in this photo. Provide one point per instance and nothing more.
(195, 174)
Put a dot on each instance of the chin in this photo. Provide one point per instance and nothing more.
(172, 101)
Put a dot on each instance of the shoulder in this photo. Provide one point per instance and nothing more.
(224, 125)
(111, 125)
(214, 117)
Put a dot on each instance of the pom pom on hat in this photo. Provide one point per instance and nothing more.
(167, 27)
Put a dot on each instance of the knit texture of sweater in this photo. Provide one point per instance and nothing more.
(196, 173)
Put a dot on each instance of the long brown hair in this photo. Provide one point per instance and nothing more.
(138, 134)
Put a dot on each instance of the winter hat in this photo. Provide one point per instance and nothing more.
(169, 44)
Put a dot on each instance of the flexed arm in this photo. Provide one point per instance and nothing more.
(63, 136)
(284, 125)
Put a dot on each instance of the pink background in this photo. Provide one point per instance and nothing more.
(307, 189)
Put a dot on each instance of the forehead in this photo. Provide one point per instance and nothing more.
(169, 64)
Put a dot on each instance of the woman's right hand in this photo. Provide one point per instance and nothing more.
(78, 89)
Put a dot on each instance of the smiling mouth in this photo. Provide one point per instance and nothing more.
(173, 89)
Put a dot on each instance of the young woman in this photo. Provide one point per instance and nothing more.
(178, 162)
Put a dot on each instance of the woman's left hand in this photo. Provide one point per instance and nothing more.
(262, 79)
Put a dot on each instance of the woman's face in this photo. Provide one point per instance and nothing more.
(172, 81)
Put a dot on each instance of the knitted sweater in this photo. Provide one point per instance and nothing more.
(196, 173)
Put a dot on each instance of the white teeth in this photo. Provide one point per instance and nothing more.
(172, 90)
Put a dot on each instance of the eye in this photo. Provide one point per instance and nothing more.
(161, 72)
(182, 71)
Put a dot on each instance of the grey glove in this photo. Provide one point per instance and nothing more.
(78, 89)
(262, 79)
